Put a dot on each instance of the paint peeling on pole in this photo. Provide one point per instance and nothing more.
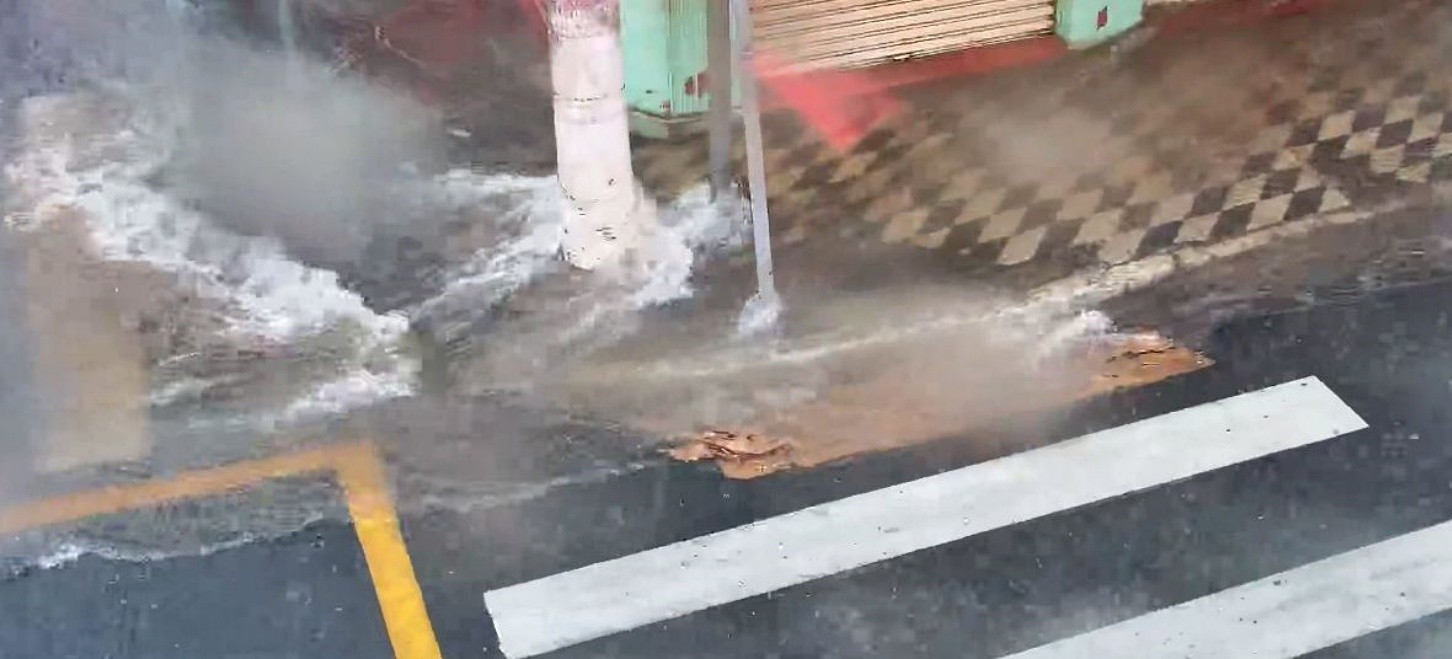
(606, 212)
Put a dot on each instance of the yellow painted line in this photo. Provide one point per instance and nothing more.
(188, 485)
(359, 470)
(365, 485)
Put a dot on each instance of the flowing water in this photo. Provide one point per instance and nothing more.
(251, 209)
(231, 195)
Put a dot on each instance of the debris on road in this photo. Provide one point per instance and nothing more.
(886, 411)
(739, 455)
(1142, 359)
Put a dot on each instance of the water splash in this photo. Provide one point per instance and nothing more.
(529, 242)
(274, 298)
(288, 34)
(692, 226)
(527, 246)
(98, 158)
(760, 315)
(92, 160)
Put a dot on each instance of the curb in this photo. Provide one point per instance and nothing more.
(1087, 289)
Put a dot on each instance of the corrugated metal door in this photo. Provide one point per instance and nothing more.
(846, 33)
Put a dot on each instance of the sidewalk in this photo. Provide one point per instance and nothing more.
(1113, 155)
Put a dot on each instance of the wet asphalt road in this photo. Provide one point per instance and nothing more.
(1388, 356)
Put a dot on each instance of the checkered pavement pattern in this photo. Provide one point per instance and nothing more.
(1395, 124)
(1117, 215)
(1192, 141)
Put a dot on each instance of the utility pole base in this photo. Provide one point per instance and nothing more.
(601, 235)
(606, 214)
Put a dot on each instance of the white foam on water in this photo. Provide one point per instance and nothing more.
(352, 390)
(591, 312)
(689, 227)
(67, 553)
(528, 218)
(274, 297)
(52, 551)
(267, 297)
(184, 389)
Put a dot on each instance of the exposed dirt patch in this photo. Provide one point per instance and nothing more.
(888, 411)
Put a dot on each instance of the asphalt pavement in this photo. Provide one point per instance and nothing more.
(1048, 578)
(305, 596)
(1157, 517)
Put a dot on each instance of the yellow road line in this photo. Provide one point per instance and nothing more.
(359, 470)
(188, 485)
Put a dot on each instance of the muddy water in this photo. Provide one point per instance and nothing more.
(949, 357)
(235, 247)
(249, 348)
(225, 257)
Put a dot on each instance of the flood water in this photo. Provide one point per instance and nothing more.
(274, 252)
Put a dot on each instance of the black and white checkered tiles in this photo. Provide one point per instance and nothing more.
(1401, 129)
(1118, 216)
(1195, 142)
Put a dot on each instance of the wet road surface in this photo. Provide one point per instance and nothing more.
(1037, 580)
(308, 596)
(424, 577)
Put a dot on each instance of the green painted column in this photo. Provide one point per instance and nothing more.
(665, 64)
(1085, 23)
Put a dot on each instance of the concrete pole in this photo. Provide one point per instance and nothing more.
(606, 212)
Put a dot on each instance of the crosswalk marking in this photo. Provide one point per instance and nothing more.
(663, 583)
(1289, 614)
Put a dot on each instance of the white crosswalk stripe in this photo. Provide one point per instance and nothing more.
(1289, 614)
(622, 594)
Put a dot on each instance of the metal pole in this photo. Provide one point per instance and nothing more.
(718, 82)
(762, 310)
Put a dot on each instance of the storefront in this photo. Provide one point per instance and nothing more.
(665, 51)
(851, 33)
